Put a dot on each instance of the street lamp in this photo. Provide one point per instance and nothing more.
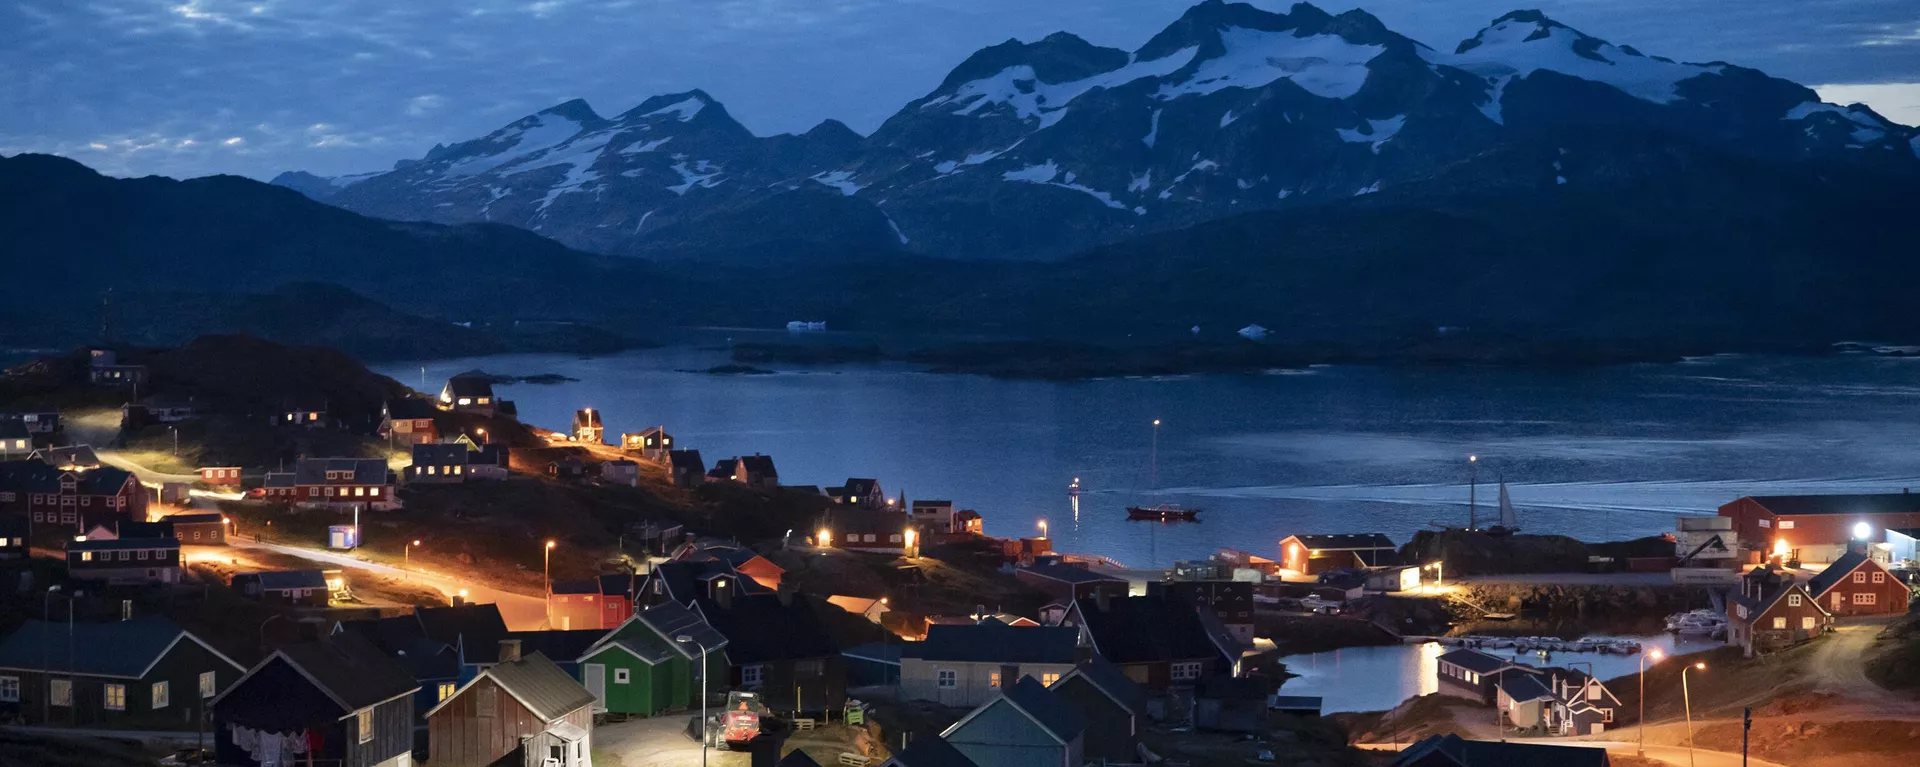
(1862, 531)
(1473, 492)
(546, 573)
(1043, 528)
(406, 555)
(1687, 697)
(684, 639)
(1656, 655)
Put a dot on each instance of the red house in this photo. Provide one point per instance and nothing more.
(220, 475)
(1819, 528)
(1772, 612)
(1858, 584)
(599, 604)
(81, 498)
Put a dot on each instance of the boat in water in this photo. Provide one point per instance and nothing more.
(1074, 489)
(1509, 521)
(1165, 512)
(1702, 622)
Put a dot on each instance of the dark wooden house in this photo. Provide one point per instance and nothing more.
(140, 674)
(204, 528)
(688, 471)
(125, 560)
(338, 701)
(16, 534)
(778, 644)
(1112, 705)
(306, 588)
(519, 711)
(1773, 611)
(1157, 642)
(1454, 751)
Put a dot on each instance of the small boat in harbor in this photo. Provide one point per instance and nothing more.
(1165, 512)
(1704, 622)
(1074, 488)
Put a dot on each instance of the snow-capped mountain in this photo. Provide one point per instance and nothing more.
(1043, 149)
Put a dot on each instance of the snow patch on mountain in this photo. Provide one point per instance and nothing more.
(1141, 183)
(976, 158)
(1376, 132)
(1324, 65)
(701, 174)
(546, 132)
(342, 182)
(1368, 189)
(638, 147)
(684, 109)
(839, 179)
(1228, 118)
(1519, 47)
(1019, 88)
(1153, 130)
(1046, 173)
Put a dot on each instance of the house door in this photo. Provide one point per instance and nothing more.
(1839, 600)
(1598, 727)
(596, 675)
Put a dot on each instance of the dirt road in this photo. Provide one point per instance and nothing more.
(1838, 666)
(657, 742)
(522, 612)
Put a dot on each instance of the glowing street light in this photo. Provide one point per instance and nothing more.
(1043, 528)
(1687, 698)
(1656, 655)
(823, 538)
(1862, 531)
(406, 555)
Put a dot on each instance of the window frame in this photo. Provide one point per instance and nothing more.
(162, 694)
(113, 696)
(946, 678)
(209, 684)
(363, 725)
(1191, 669)
(60, 691)
(9, 689)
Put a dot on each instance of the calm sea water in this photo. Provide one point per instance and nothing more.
(1379, 678)
(1597, 454)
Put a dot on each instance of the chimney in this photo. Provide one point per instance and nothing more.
(509, 650)
(1101, 598)
(785, 593)
(126, 609)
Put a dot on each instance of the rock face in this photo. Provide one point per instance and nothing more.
(1044, 149)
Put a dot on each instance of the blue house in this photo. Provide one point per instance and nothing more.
(1026, 726)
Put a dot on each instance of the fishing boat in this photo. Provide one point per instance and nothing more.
(1166, 512)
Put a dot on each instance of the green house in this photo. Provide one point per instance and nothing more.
(640, 668)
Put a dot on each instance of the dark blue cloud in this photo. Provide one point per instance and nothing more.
(188, 87)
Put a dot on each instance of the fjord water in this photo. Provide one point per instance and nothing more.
(1595, 453)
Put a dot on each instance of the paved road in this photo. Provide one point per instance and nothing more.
(99, 428)
(522, 612)
(1570, 579)
(657, 742)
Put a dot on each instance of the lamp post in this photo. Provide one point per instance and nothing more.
(1687, 697)
(1043, 528)
(1643, 696)
(684, 639)
(1153, 457)
(406, 556)
(546, 574)
(46, 662)
(1473, 492)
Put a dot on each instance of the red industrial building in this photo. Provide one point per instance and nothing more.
(1817, 528)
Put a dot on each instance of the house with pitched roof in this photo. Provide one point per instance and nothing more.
(139, 674)
(587, 426)
(1026, 725)
(599, 603)
(69, 458)
(968, 665)
(1583, 705)
(343, 483)
(522, 710)
(336, 700)
(1470, 673)
(869, 530)
(1114, 707)
(1773, 611)
(434, 665)
(1453, 751)
(778, 645)
(652, 443)
(751, 470)
(929, 751)
(863, 493)
(1065, 583)
(688, 470)
(15, 439)
(292, 587)
(126, 561)
(1158, 643)
(409, 421)
(1858, 584)
(469, 393)
(1313, 554)
(16, 534)
(52, 491)
(641, 667)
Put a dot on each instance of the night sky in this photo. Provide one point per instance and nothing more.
(255, 87)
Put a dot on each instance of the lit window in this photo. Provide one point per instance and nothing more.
(207, 684)
(1049, 679)
(993, 679)
(86, 556)
(162, 695)
(445, 690)
(363, 721)
(1786, 524)
(114, 697)
(948, 679)
(62, 692)
(359, 492)
(373, 491)
(1766, 523)
(466, 401)
(1780, 623)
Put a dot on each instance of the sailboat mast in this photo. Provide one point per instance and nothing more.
(1153, 458)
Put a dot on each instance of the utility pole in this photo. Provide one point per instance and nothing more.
(1746, 726)
(1473, 492)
